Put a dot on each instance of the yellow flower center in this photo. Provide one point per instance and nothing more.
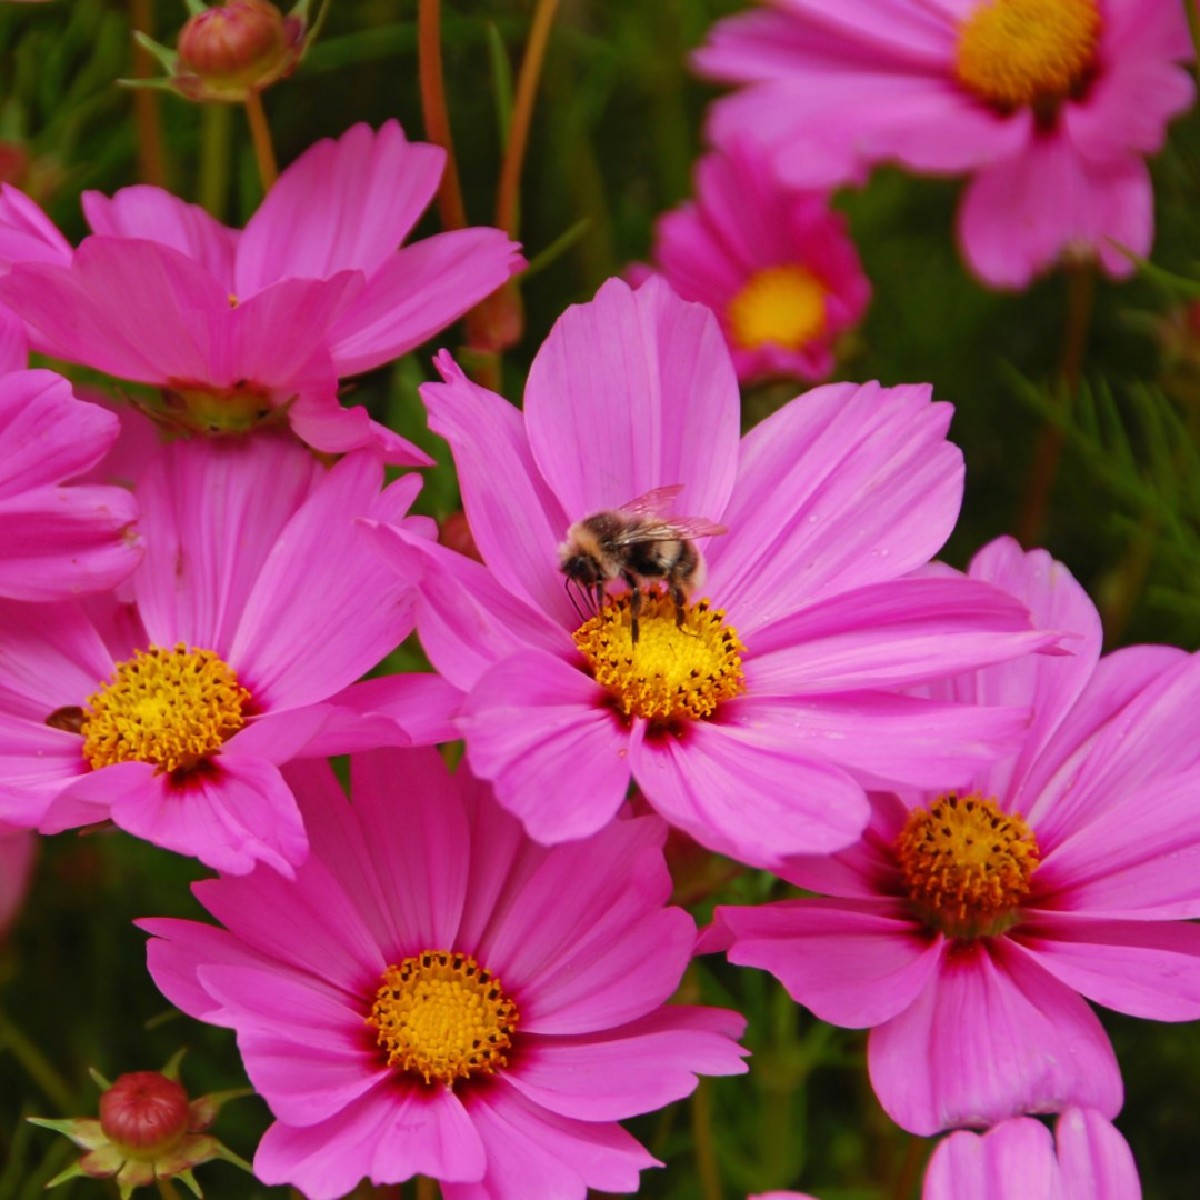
(967, 865)
(442, 1016)
(778, 306)
(172, 708)
(1013, 53)
(212, 410)
(675, 670)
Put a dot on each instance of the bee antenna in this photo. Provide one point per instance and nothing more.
(574, 602)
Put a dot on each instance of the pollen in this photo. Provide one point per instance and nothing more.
(1037, 53)
(967, 865)
(441, 1016)
(778, 306)
(172, 708)
(677, 669)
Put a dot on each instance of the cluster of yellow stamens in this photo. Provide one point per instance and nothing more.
(778, 306)
(1017, 53)
(172, 708)
(677, 669)
(441, 1016)
(967, 865)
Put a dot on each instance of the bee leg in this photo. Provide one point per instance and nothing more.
(599, 597)
(635, 607)
(680, 599)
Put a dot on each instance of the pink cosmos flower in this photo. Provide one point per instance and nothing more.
(236, 326)
(965, 928)
(56, 541)
(773, 262)
(754, 718)
(1049, 105)
(435, 994)
(18, 852)
(1087, 1159)
(255, 606)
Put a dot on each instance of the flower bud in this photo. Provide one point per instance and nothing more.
(144, 1113)
(238, 48)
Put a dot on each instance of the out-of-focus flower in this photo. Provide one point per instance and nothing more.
(966, 928)
(751, 720)
(1050, 105)
(149, 1130)
(56, 541)
(773, 262)
(256, 604)
(1087, 1159)
(243, 327)
(18, 852)
(436, 994)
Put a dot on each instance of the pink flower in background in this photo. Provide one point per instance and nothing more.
(1049, 105)
(256, 604)
(774, 263)
(435, 994)
(965, 928)
(1086, 1159)
(57, 541)
(236, 326)
(18, 852)
(753, 719)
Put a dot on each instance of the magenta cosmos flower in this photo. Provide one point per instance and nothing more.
(1050, 105)
(964, 927)
(773, 262)
(239, 326)
(750, 718)
(1086, 1159)
(435, 994)
(255, 606)
(58, 541)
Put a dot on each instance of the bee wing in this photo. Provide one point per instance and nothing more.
(668, 529)
(653, 503)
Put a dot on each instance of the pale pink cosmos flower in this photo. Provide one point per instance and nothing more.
(238, 327)
(1086, 1159)
(753, 722)
(435, 994)
(965, 929)
(1049, 105)
(773, 262)
(56, 541)
(255, 606)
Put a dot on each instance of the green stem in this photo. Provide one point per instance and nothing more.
(702, 1136)
(1081, 295)
(166, 1189)
(37, 1066)
(910, 1169)
(260, 135)
(215, 129)
(434, 111)
(147, 117)
(427, 1189)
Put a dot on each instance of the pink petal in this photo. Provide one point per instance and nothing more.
(1015, 1159)
(322, 611)
(634, 391)
(419, 291)
(14, 343)
(420, 708)
(524, 1142)
(515, 519)
(1096, 1160)
(18, 855)
(1022, 213)
(634, 1069)
(389, 1135)
(538, 729)
(752, 796)
(344, 204)
(852, 964)
(318, 419)
(155, 215)
(171, 321)
(992, 1037)
(1148, 969)
(806, 517)
(26, 233)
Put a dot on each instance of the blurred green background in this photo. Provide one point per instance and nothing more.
(616, 129)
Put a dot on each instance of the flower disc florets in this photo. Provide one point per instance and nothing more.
(778, 306)
(173, 708)
(681, 667)
(1013, 53)
(441, 1016)
(967, 865)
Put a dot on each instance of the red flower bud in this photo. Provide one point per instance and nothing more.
(241, 47)
(144, 1113)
